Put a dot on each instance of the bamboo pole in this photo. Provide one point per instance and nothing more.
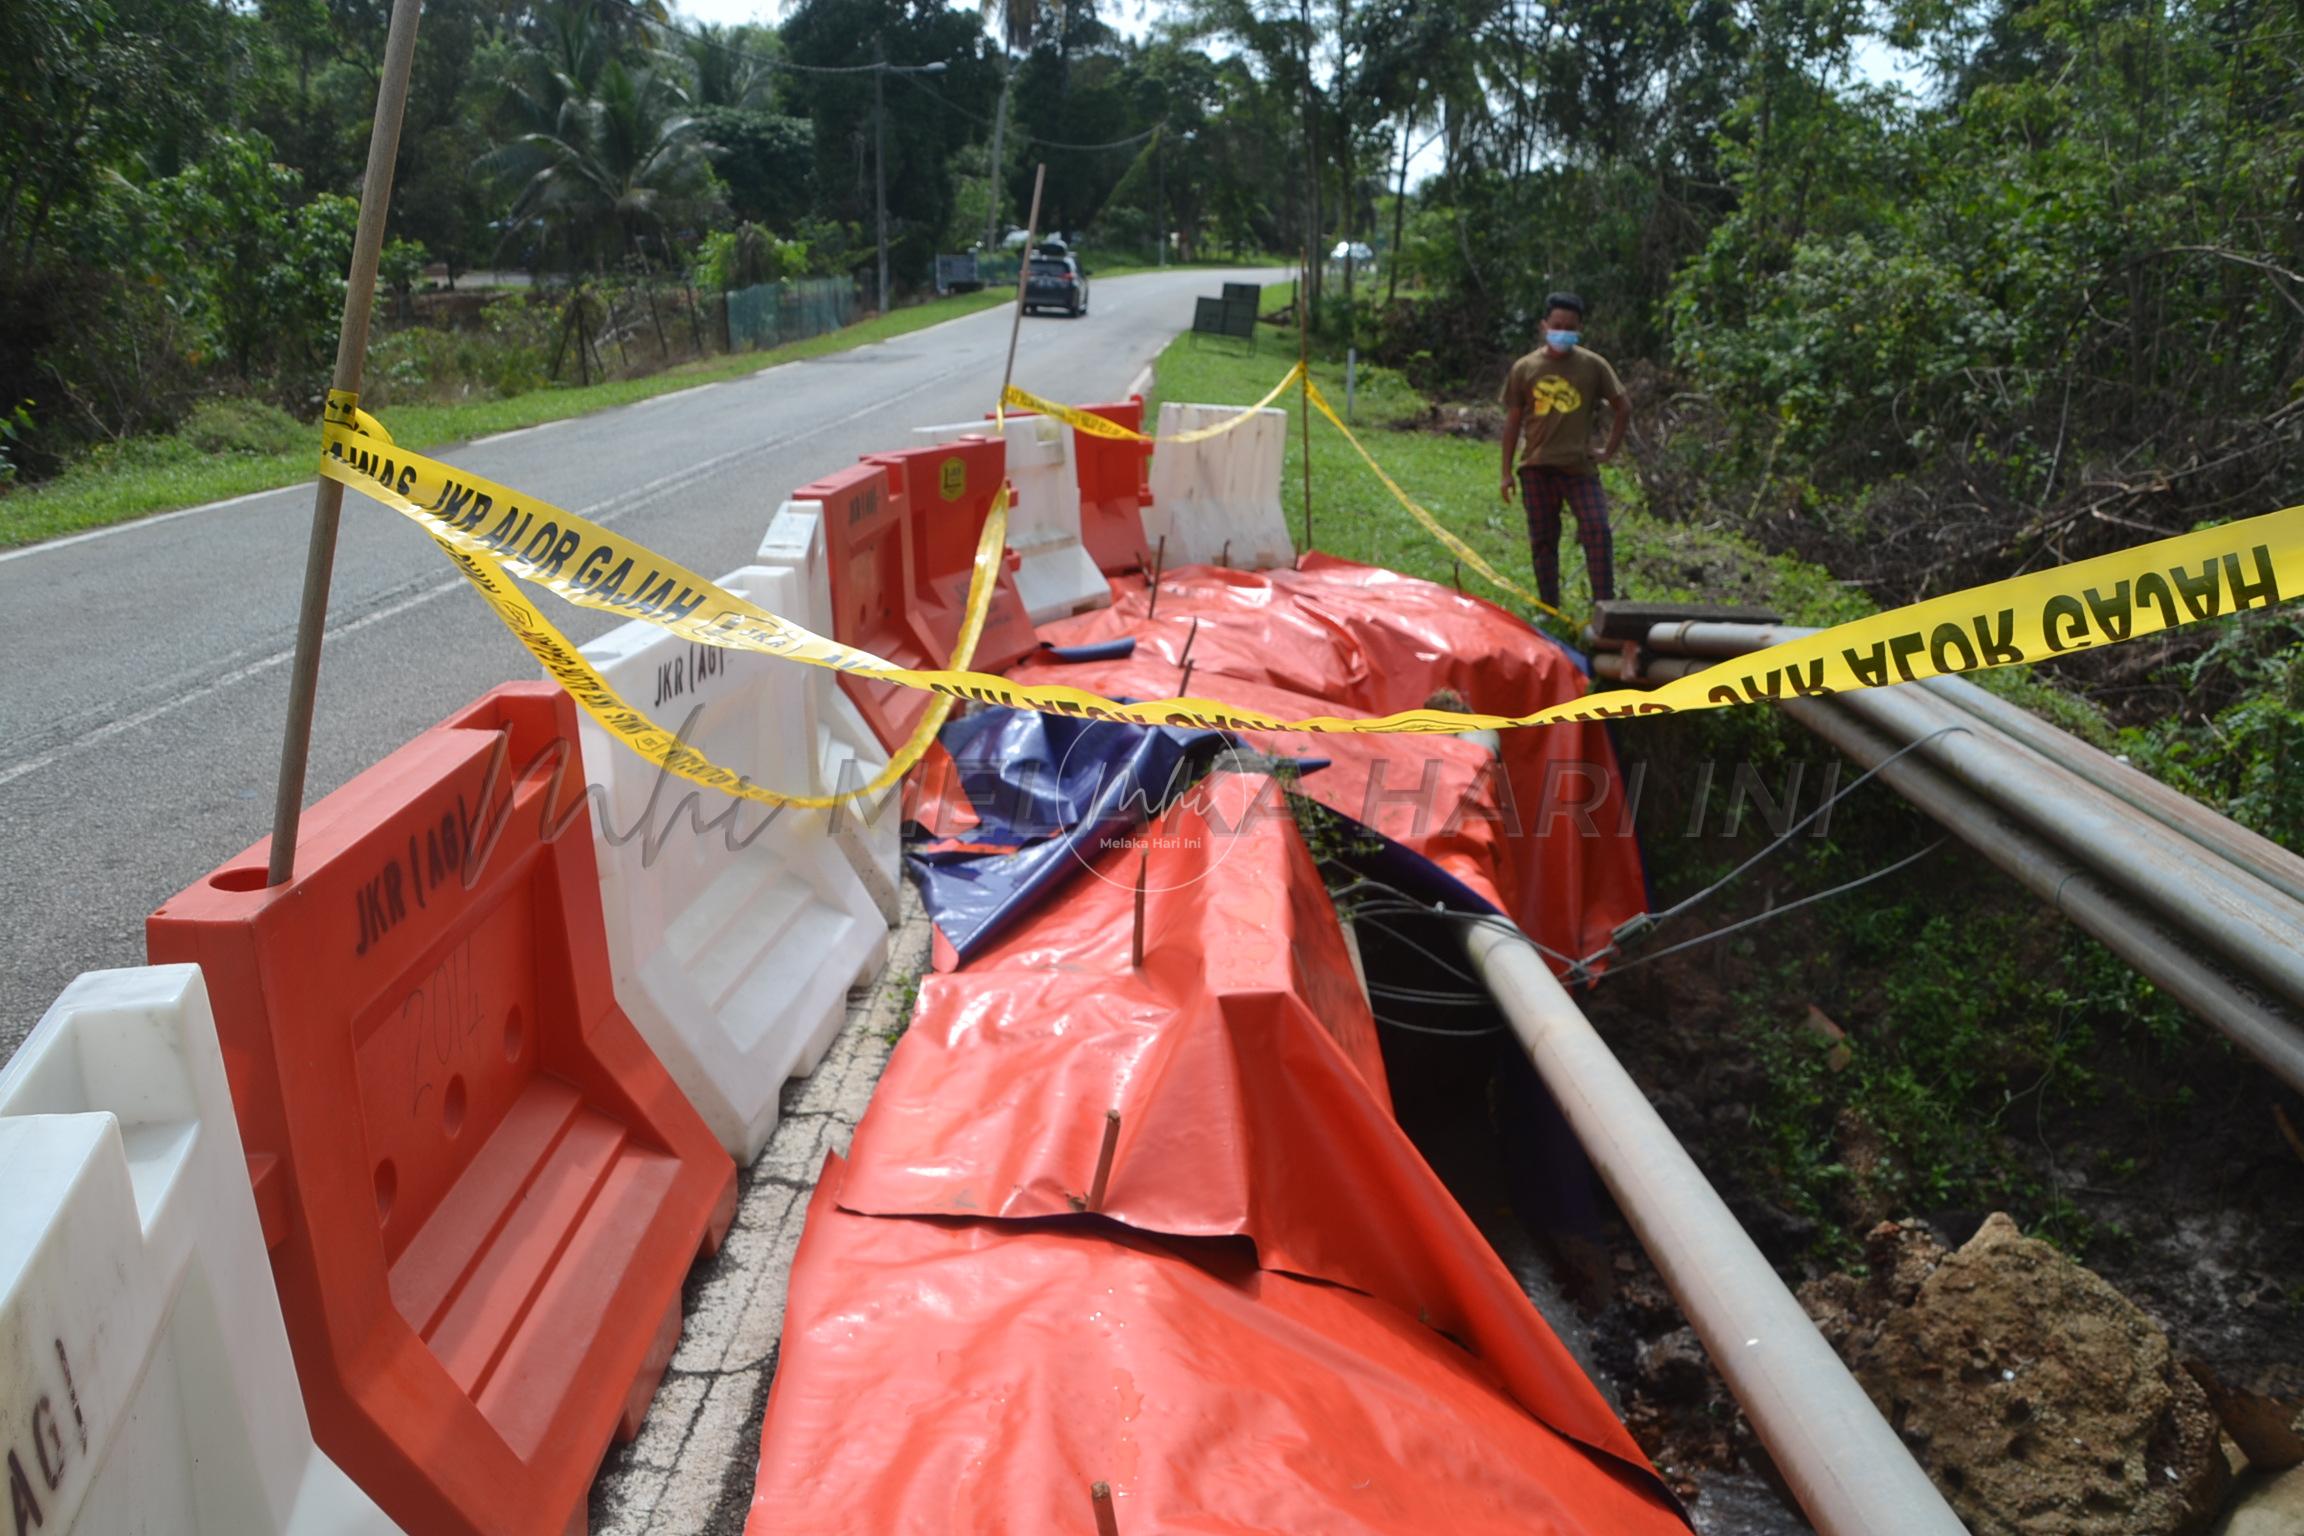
(328, 499)
(1023, 271)
(1304, 367)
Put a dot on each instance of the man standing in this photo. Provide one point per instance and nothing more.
(1550, 401)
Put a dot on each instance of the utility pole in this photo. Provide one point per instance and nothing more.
(1160, 193)
(992, 171)
(880, 168)
(881, 70)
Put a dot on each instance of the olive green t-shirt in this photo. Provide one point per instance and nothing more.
(1561, 394)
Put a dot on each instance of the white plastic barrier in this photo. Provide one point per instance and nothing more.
(1056, 578)
(1223, 491)
(145, 1377)
(791, 579)
(735, 928)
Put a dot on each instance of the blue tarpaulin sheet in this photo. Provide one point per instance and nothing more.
(1061, 788)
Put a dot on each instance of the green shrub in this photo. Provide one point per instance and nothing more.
(238, 425)
(424, 365)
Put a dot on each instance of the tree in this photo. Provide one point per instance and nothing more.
(603, 167)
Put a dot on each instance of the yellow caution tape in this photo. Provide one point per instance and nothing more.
(391, 477)
(1097, 426)
(2058, 612)
(1432, 525)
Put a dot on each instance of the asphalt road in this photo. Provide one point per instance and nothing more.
(141, 710)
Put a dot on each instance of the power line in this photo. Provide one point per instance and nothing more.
(1033, 138)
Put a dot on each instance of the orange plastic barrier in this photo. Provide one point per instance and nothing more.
(1115, 488)
(481, 1191)
(979, 1376)
(900, 538)
(864, 557)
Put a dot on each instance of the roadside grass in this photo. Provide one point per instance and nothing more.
(1455, 478)
(142, 476)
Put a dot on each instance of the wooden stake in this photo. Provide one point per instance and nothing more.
(1184, 683)
(1225, 559)
(1185, 660)
(1100, 1497)
(1143, 860)
(1023, 269)
(1459, 566)
(1104, 1152)
(1159, 563)
(328, 500)
(1304, 366)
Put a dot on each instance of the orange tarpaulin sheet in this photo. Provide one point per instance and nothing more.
(1440, 797)
(1243, 1062)
(943, 1376)
(1356, 637)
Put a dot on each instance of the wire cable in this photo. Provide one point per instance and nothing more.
(1774, 912)
(1429, 998)
(1679, 907)
(907, 72)
(1433, 1029)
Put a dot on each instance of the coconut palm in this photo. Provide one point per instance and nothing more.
(600, 164)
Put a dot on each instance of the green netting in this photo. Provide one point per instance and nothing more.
(774, 313)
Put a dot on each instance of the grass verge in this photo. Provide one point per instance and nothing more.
(1455, 477)
(159, 474)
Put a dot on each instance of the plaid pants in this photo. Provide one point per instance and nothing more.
(1542, 489)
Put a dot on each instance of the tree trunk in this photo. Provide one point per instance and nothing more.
(1399, 211)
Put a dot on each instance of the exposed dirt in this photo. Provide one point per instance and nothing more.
(2037, 1397)
(1481, 423)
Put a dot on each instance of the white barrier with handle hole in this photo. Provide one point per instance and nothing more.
(735, 929)
(790, 569)
(145, 1378)
(1217, 501)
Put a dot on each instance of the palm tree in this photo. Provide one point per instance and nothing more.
(726, 66)
(598, 168)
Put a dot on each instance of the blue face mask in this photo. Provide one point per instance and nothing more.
(1562, 341)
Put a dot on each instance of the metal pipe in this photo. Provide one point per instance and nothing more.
(1701, 637)
(2251, 924)
(1304, 369)
(2186, 897)
(2267, 1028)
(1023, 273)
(2172, 808)
(1653, 669)
(328, 499)
(1849, 1471)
